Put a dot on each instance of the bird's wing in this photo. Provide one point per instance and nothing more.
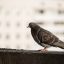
(46, 37)
(39, 38)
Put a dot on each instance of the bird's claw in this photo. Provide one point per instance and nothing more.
(43, 50)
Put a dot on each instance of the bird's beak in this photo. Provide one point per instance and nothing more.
(27, 26)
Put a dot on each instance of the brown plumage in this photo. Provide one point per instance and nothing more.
(44, 37)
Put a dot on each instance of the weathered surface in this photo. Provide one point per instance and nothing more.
(9, 56)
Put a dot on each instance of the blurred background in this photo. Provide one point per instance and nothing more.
(15, 15)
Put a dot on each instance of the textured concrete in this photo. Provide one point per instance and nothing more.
(9, 56)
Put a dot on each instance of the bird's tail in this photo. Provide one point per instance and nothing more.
(59, 44)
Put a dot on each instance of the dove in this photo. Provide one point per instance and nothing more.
(44, 37)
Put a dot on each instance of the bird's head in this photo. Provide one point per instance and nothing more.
(33, 25)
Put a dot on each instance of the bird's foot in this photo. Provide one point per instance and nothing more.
(43, 50)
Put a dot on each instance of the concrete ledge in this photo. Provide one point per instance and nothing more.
(13, 56)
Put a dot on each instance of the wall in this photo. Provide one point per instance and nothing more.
(15, 15)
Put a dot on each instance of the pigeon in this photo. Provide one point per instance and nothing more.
(44, 37)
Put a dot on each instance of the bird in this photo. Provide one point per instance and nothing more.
(44, 37)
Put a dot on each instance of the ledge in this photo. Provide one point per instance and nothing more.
(15, 56)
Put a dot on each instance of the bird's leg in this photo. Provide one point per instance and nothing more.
(44, 50)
